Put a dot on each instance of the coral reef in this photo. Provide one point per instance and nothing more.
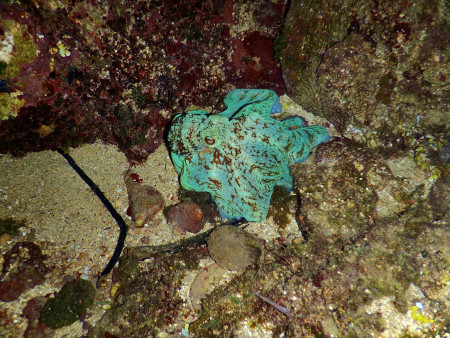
(368, 200)
(371, 257)
(146, 300)
(327, 287)
(74, 72)
(377, 71)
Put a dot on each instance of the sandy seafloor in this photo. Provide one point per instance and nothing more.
(73, 228)
(71, 225)
(78, 235)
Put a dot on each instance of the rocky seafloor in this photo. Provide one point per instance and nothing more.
(359, 248)
(349, 257)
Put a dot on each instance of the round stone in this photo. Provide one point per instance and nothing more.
(234, 248)
(186, 216)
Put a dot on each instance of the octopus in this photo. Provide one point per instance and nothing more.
(241, 153)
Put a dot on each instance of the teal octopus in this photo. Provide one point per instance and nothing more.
(240, 154)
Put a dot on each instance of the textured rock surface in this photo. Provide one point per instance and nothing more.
(204, 282)
(68, 305)
(23, 268)
(377, 71)
(233, 248)
(73, 72)
(147, 302)
(144, 200)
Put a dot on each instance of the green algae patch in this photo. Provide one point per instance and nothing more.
(24, 49)
(9, 105)
(127, 270)
(10, 226)
(18, 50)
(227, 307)
(68, 305)
(147, 300)
(282, 207)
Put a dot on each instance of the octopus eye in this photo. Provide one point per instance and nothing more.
(209, 140)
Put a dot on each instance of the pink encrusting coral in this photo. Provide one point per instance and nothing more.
(75, 72)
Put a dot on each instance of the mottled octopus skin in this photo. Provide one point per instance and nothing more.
(240, 154)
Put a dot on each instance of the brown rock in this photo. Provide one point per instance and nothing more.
(186, 216)
(23, 269)
(205, 282)
(144, 200)
(233, 248)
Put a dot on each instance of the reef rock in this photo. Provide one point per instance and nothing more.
(378, 71)
(68, 305)
(233, 248)
(144, 200)
(186, 216)
(23, 268)
(74, 72)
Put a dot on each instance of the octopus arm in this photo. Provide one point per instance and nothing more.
(262, 101)
(286, 181)
(178, 162)
(264, 161)
(193, 175)
(293, 122)
(305, 139)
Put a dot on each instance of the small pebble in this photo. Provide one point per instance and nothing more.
(83, 257)
(186, 216)
(4, 238)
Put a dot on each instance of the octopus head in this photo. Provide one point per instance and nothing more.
(192, 132)
(216, 129)
(185, 132)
